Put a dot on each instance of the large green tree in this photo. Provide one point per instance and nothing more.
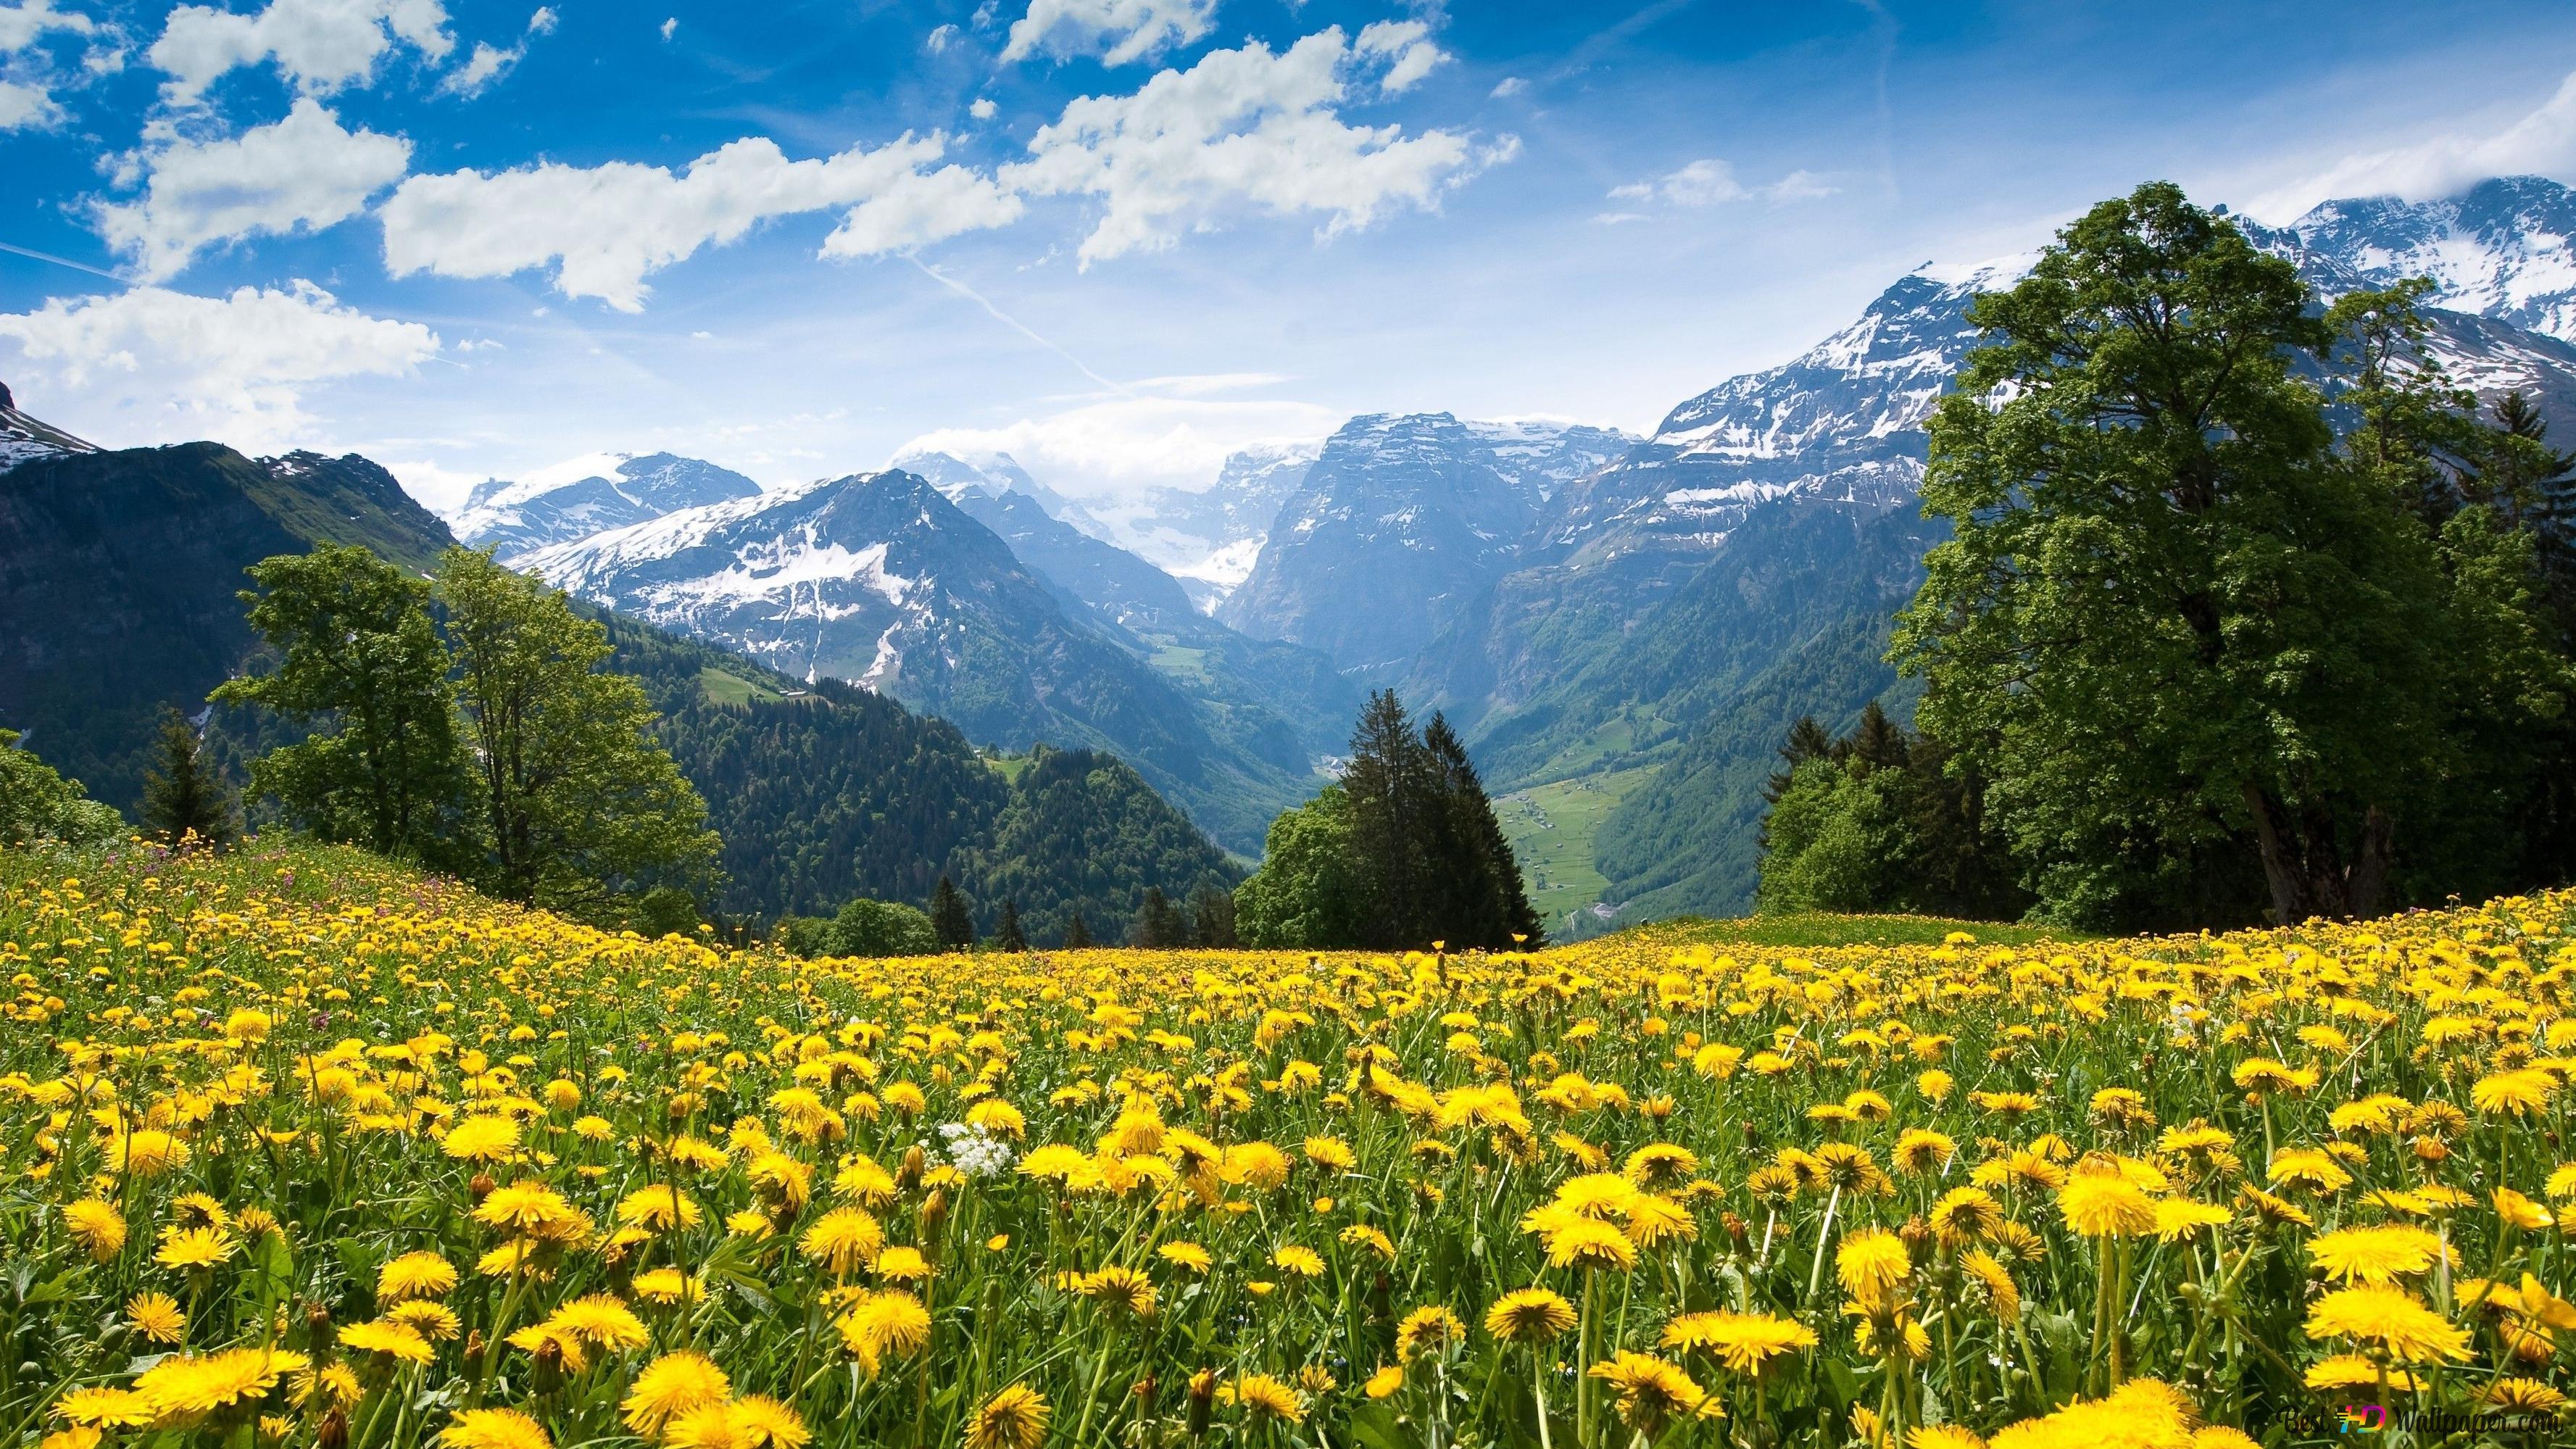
(1307, 896)
(2178, 624)
(580, 804)
(359, 664)
(37, 803)
(1404, 852)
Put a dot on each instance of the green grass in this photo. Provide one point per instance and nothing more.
(1551, 828)
(1822, 929)
(1007, 766)
(1179, 659)
(723, 687)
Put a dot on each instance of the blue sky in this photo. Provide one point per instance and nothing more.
(1114, 237)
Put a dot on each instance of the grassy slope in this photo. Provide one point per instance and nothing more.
(1551, 828)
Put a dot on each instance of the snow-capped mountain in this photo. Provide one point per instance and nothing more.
(1402, 520)
(880, 580)
(997, 475)
(1211, 537)
(1544, 455)
(522, 517)
(24, 439)
(2504, 248)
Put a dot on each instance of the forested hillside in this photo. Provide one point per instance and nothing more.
(119, 573)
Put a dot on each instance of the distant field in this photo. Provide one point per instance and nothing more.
(1008, 766)
(726, 688)
(1819, 929)
(1551, 828)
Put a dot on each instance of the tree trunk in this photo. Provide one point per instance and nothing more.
(2303, 861)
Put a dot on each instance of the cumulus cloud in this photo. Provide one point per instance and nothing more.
(2541, 141)
(320, 45)
(916, 209)
(938, 41)
(20, 24)
(670, 26)
(1510, 85)
(1241, 126)
(150, 365)
(305, 172)
(604, 228)
(489, 62)
(983, 108)
(26, 100)
(1711, 183)
(1119, 31)
(1117, 447)
(1407, 45)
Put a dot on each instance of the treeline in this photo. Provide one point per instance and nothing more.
(1402, 853)
(2248, 611)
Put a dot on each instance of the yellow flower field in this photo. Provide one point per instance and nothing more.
(298, 1148)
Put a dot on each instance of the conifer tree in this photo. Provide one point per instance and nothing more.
(1490, 903)
(1393, 808)
(1158, 925)
(1212, 919)
(949, 918)
(182, 795)
(1008, 936)
(1077, 936)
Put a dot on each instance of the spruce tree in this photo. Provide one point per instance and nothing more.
(1489, 903)
(1158, 926)
(182, 796)
(1008, 936)
(1394, 803)
(949, 918)
(1212, 919)
(1077, 936)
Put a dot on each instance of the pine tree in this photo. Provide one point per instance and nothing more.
(1158, 926)
(1807, 740)
(1077, 936)
(1393, 805)
(1879, 742)
(1212, 919)
(1490, 904)
(182, 797)
(949, 917)
(1008, 936)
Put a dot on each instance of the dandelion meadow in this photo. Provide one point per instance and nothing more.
(302, 1149)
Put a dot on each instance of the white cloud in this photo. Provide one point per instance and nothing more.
(983, 109)
(25, 101)
(305, 172)
(1242, 125)
(2540, 142)
(1618, 218)
(441, 490)
(603, 228)
(25, 105)
(670, 25)
(20, 24)
(916, 209)
(155, 366)
(1404, 40)
(1709, 182)
(320, 45)
(1119, 447)
(1510, 85)
(1120, 30)
(489, 62)
(938, 41)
